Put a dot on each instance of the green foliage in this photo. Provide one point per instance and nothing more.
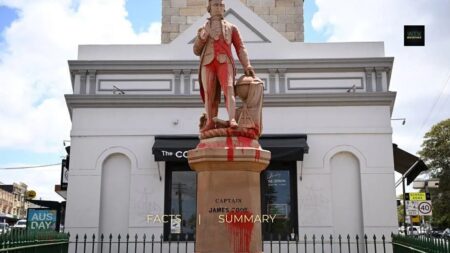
(400, 214)
(400, 211)
(436, 154)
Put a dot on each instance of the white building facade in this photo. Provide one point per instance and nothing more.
(333, 98)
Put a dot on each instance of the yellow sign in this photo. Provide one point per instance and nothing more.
(415, 219)
(417, 196)
(31, 194)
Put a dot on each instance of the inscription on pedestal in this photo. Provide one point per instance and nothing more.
(228, 194)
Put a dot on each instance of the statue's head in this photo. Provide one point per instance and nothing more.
(216, 8)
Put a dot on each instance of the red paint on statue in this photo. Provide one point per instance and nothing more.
(244, 141)
(218, 144)
(240, 231)
(257, 129)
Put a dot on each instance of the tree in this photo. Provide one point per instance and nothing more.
(400, 211)
(436, 154)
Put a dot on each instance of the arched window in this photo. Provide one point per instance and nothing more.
(346, 194)
(115, 195)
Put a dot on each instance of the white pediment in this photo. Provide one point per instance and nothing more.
(248, 32)
(253, 29)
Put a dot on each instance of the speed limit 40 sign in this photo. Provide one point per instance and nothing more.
(425, 208)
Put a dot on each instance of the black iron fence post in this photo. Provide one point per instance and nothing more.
(84, 243)
(93, 242)
(271, 239)
(170, 241)
(127, 238)
(331, 243)
(314, 243)
(110, 241)
(143, 244)
(365, 242)
(118, 243)
(279, 243)
(160, 249)
(186, 237)
(102, 237)
(76, 243)
(321, 242)
(357, 244)
(348, 243)
(178, 243)
(306, 238)
(375, 243)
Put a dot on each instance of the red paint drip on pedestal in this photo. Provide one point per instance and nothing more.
(244, 141)
(257, 155)
(240, 228)
(230, 148)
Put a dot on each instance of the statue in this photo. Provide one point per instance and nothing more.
(217, 72)
(228, 159)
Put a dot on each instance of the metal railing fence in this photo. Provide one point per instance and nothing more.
(22, 241)
(181, 244)
(417, 244)
(53, 242)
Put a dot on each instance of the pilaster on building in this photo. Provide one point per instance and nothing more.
(285, 16)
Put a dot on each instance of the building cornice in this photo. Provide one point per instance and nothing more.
(193, 101)
(158, 66)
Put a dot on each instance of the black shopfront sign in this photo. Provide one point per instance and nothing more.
(281, 147)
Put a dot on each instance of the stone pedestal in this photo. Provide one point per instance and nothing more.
(228, 194)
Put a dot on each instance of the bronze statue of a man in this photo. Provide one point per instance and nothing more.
(217, 69)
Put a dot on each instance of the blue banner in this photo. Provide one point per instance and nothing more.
(41, 219)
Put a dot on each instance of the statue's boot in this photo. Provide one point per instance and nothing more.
(208, 126)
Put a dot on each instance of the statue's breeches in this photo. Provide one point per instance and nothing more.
(217, 76)
(217, 73)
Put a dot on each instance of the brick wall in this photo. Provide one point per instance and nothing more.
(286, 16)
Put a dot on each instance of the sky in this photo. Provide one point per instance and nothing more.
(38, 37)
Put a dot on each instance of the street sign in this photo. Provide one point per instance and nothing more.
(416, 196)
(425, 208)
(422, 208)
(411, 208)
(408, 219)
(175, 225)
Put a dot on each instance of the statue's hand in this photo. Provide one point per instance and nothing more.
(249, 71)
(202, 34)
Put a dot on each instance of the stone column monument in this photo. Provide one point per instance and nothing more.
(228, 160)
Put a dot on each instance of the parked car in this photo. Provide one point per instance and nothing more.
(4, 228)
(20, 224)
(436, 233)
(446, 233)
(413, 231)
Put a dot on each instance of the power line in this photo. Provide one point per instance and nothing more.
(29, 167)
(444, 87)
(436, 102)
